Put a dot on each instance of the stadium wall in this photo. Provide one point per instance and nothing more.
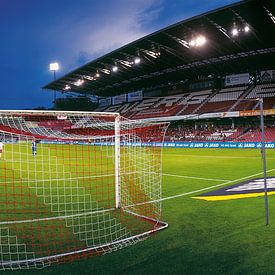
(207, 145)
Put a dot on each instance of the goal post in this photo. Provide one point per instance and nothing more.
(117, 159)
(76, 184)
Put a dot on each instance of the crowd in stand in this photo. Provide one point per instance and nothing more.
(206, 131)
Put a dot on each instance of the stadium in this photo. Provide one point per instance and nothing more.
(161, 152)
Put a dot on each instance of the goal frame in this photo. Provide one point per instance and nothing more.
(117, 155)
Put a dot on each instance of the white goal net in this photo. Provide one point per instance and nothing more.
(75, 185)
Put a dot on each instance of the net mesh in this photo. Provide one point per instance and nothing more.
(75, 185)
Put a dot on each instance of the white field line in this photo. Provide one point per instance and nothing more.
(219, 157)
(199, 190)
(213, 186)
(197, 178)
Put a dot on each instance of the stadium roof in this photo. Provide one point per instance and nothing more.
(236, 38)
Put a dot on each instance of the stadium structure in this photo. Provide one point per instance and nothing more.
(215, 65)
(87, 183)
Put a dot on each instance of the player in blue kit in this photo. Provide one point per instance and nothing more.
(34, 148)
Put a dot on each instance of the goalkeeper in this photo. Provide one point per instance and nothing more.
(34, 148)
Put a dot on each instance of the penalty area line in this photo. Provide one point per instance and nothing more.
(198, 190)
(210, 187)
(189, 177)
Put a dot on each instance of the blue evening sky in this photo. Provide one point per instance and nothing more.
(35, 33)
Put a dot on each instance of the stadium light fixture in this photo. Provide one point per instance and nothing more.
(157, 54)
(79, 82)
(54, 66)
(137, 60)
(192, 43)
(246, 28)
(198, 41)
(235, 32)
(114, 69)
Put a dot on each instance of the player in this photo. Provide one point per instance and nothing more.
(1, 148)
(34, 148)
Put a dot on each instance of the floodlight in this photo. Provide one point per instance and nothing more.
(79, 82)
(97, 75)
(200, 40)
(235, 32)
(54, 66)
(115, 69)
(137, 60)
(67, 87)
(192, 43)
(246, 29)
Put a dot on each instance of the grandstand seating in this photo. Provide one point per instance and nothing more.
(194, 100)
(214, 107)
(254, 135)
(239, 134)
(223, 100)
(236, 98)
(227, 94)
(263, 90)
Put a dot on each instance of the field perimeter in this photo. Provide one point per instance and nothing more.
(203, 237)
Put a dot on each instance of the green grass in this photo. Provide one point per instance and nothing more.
(224, 237)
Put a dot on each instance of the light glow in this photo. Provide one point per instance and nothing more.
(246, 29)
(115, 69)
(137, 60)
(192, 43)
(235, 32)
(198, 41)
(157, 54)
(54, 66)
(67, 87)
(79, 82)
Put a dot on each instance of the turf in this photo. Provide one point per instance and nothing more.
(224, 237)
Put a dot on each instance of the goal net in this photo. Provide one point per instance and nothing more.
(74, 185)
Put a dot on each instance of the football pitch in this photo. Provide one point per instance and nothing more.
(203, 237)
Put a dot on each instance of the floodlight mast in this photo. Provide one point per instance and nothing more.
(54, 67)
